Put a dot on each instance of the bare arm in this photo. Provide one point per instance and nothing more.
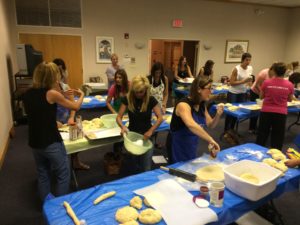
(109, 106)
(183, 110)
(176, 73)
(166, 94)
(54, 96)
(119, 119)
(157, 112)
(234, 81)
(201, 72)
(212, 123)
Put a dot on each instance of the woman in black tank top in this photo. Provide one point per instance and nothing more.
(48, 149)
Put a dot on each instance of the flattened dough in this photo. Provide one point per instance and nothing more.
(149, 216)
(270, 161)
(273, 151)
(250, 178)
(211, 172)
(126, 214)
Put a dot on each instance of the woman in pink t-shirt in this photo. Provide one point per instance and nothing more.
(276, 92)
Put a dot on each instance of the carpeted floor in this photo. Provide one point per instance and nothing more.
(19, 203)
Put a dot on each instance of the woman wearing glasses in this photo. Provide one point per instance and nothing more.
(189, 117)
(140, 106)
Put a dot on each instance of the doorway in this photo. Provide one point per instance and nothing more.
(168, 53)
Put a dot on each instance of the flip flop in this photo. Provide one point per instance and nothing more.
(81, 166)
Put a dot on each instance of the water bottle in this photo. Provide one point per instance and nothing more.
(79, 127)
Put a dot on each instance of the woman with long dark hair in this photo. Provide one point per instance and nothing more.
(207, 69)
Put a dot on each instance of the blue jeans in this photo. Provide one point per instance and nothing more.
(54, 159)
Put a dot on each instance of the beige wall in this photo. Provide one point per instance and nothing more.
(293, 36)
(208, 22)
(5, 60)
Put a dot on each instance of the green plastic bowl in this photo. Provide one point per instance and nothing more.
(109, 120)
(129, 142)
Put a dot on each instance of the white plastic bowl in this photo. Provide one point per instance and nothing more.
(129, 142)
(109, 120)
(266, 174)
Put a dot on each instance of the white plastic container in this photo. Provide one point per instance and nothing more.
(130, 142)
(266, 174)
(109, 120)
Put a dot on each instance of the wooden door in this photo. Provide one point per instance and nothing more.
(67, 47)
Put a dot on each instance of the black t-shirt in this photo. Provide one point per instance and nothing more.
(176, 122)
(140, 122)
(41, 119)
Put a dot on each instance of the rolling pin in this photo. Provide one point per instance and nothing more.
(183, 174)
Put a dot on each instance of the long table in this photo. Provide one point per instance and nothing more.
(242, 115)
(104, 213)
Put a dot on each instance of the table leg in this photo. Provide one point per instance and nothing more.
(73, 174)
(296, 122)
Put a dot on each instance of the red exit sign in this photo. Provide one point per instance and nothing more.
(177, 23)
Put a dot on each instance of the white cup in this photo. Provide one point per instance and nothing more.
(216, 193)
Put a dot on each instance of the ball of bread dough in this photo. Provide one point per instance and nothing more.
(273, 151)
(131, 222)
(126, 214)
(281, 166)
(136, 202)
(278, 156)
(270, 161)
(139, 142)
(149, 216)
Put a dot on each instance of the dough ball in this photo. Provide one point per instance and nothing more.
(281, 166)
(136, 202)
(273, 151)
(131, 222)
(149, 216)
(270, 161)
(86, 100)
(210, 172)
(228, 104)
(126, 214)
(249, 177)
(278, 156)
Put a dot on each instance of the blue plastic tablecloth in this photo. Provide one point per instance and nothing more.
(104, 213)
(94, 103)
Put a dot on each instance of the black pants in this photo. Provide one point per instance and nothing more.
(233, 98)
(253, 120)
(274, 123)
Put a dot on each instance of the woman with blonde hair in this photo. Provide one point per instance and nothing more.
(44, 138)
(140, 106)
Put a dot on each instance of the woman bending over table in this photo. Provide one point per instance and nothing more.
(140, 106)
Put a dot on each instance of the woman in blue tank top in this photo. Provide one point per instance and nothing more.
(189, 118)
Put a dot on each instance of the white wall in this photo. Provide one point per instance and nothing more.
(293, 37)
(5, 57)
(208, 22)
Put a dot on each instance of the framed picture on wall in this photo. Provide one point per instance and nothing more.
(104, 49)
(234, 50)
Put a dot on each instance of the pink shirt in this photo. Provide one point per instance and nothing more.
(112, 91)
(276, 92)
(259, 79)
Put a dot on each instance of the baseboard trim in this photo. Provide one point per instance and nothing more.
(10, 135)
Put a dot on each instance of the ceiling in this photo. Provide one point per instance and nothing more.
(281, 3)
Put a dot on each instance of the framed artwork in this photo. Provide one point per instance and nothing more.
(234, 50)
(104, 49)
